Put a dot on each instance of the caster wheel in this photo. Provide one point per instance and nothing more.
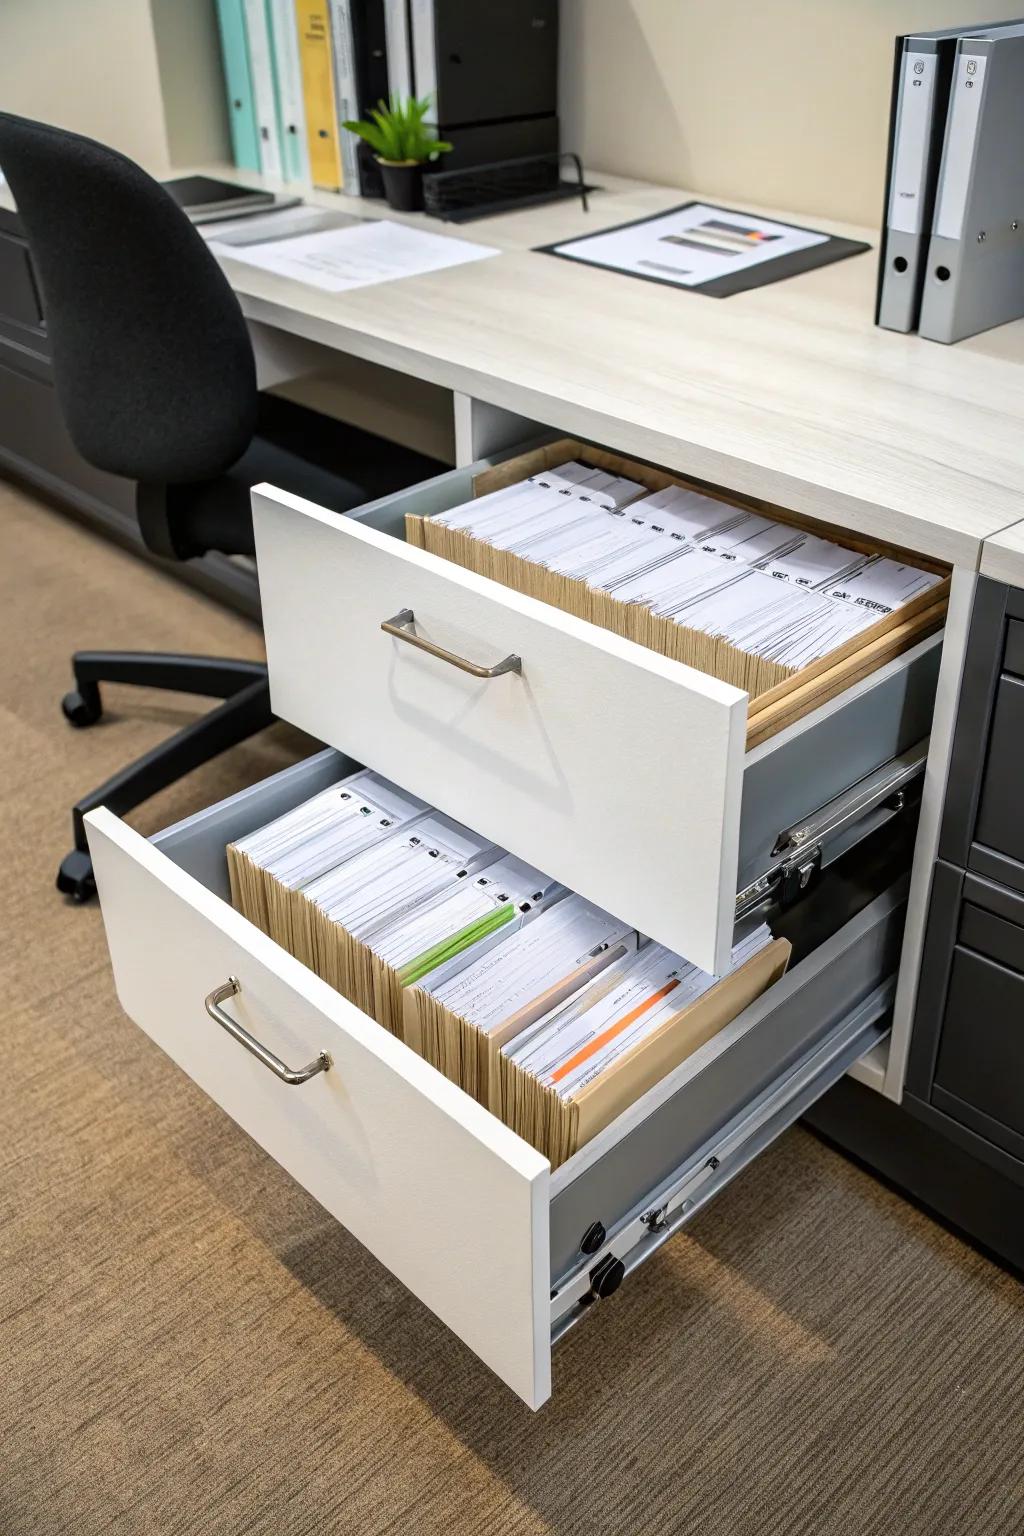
(75, 877)
(82, 709)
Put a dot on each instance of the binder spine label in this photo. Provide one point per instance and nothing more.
(910, 159)
(958, 155)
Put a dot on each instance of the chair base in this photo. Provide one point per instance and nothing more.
(244, 687)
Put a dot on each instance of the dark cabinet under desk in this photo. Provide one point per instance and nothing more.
(36, 448)
(957, 1141)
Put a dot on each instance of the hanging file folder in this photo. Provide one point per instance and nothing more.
(975, 274)
(245, 143)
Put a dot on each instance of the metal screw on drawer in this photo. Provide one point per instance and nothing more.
(981, 237)
(593, 1238)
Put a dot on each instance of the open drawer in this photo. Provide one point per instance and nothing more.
(624, 774)
(460, 1209)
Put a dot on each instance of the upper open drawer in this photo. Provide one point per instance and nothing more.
(618, 770)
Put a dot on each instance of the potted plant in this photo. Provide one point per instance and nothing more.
(403, 144)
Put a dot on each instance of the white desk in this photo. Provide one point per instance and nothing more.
(788, 392)
(1002, 557)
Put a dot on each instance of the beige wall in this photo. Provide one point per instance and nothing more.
(90, 65)
(195, 109)
(143, 75)
(781, 102)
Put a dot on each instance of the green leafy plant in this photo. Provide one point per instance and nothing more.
(397, 131)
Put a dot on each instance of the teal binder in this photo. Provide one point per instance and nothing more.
(245, 142)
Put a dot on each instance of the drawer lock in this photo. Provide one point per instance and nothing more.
(605, 1278)
(293, 1076)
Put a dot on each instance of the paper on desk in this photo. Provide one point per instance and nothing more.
(691, 245)
(377, 251)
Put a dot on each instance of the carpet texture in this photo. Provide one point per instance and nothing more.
(189, 1344)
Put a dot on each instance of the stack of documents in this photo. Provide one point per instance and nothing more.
(460, 1018)
(739, 595)
(373, 890)
(559, 1028)
(586, 1062)
(552, 1013)
(270, 865)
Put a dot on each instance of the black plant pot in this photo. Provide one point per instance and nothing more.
(403, 184)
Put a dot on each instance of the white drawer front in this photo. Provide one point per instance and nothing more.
(444, 1195)
(617, 771)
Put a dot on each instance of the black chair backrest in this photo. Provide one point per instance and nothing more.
(152, 360)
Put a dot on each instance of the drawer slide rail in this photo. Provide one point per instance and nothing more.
(802, 851)
(719, 1161)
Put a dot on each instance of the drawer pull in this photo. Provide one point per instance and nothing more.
(231, 988)
(398, 629)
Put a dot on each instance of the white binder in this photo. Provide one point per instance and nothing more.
(346, 90)
(399, 46)
(264, 88)
(285, 39)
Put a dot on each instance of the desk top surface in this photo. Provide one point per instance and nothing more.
(1003, 556)
(788, 392)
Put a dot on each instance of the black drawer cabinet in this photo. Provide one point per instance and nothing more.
(956, 1142)
(19, 296)
(980, 1065)
(966, 1068)
(35, 445)
(983, 819)
(1000, 823)
(967, 1059)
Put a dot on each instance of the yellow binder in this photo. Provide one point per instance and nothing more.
(322, 128)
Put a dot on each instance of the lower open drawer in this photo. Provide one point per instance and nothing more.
(460, 1209)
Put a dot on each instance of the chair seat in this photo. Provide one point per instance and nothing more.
(326, 461)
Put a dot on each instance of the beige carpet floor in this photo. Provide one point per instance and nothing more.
(188, 1344)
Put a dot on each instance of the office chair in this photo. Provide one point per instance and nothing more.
(156, 380)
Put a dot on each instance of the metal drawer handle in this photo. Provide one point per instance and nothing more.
(231, 988)
(398, 628)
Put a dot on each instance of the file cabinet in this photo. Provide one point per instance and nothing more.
(966, 1068)
(956, 1143)
(681, 831)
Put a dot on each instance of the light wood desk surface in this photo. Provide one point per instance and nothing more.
(1003, 556)
(788, 392)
